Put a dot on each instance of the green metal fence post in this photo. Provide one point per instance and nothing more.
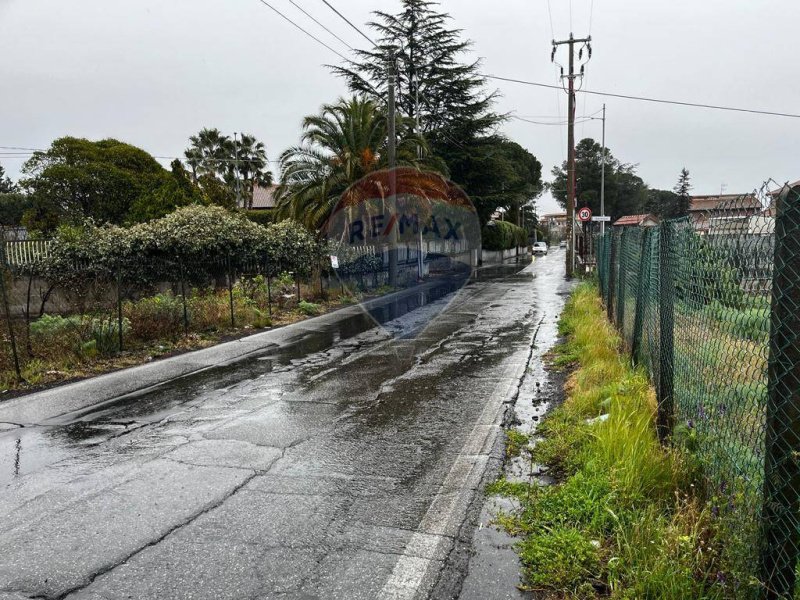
(666, 322)
(780, 547)
(612, 276)
(7, 310)
(621, 276)
(641, 296)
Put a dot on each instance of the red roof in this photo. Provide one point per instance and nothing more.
(634, 219)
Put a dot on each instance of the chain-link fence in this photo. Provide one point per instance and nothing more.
(709, 306)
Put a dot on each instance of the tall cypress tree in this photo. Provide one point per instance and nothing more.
(682, 189)
(433, 82)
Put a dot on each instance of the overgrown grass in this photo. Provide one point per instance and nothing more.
(625, 519)
(57, 348)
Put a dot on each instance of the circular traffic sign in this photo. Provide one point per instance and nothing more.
(585, 214)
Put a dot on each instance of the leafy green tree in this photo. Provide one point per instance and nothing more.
(340, 146)
(498, 173)
(175, 191)
(625, 194)
(77, 179)
(6, 185)
(12, 208)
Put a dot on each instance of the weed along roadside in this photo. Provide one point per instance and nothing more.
(624, 517)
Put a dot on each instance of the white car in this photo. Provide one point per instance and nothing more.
(540, 248)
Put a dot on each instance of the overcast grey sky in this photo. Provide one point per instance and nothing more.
(153, 72)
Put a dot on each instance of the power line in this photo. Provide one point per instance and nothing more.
(647, 99)
(310, 16)
(311, 35)
(558, 123)
(349, 22)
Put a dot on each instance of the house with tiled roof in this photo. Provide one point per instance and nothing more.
(646, 220)
(703, 210)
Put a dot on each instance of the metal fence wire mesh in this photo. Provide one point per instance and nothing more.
(710, 307)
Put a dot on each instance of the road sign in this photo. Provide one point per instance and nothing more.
(606, 219)
(585, 214)
(334, 261)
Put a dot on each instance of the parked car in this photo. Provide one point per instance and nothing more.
(540, 248)
(562, 244)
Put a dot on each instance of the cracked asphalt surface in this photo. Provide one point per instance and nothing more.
(342, 465)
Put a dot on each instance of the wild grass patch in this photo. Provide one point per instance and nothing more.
(624, 520)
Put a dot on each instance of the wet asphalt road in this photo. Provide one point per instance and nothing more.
(340, 466)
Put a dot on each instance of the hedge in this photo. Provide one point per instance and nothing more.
(502, 235)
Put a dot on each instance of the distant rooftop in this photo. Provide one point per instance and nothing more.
(631, 220)
(264, 197)
(724, 202)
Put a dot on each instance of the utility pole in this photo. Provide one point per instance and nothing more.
(603, 177)
(392, 152)
(571, 139)
(236, 170)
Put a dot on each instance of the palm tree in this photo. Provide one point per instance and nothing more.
(209, 153)
(252, 161)
(339, 146)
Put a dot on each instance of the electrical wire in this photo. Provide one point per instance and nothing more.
(559, 124)
(349, 22)
(648, 99)
(311, 35)
(310, 16)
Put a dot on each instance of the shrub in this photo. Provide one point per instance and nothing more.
(154, 317)
(105, 335)
(55, 335)
(501, 235)
(309, 308)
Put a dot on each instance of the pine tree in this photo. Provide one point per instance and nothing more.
(433, 84)
(6, 185)
(682, 189)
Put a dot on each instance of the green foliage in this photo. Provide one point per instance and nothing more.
(218, 162)
(560, 558)
(495, 172)
(77, 179)
(104, 334)
(502, 235)
(451, 102)
(309, 308)
(12, 208)
(262, 217)
(155, 316)
(625, 192)
(515, 442)
(625, 517)
(749, 323)
(6, 185)
(344, 143)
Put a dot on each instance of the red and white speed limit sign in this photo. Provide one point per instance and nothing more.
(585, 214)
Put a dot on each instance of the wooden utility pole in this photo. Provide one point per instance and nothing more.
(571, 75)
